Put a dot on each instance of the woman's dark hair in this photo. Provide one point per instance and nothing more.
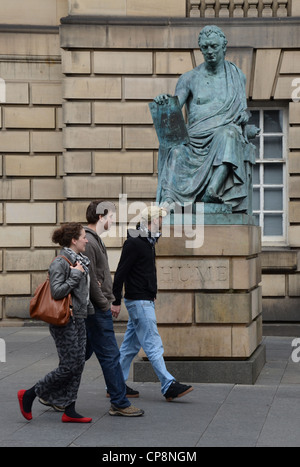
(64, 234)
(98, 208)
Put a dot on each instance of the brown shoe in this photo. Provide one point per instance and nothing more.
(130, 411)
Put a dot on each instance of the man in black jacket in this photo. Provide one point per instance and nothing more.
(138, 271)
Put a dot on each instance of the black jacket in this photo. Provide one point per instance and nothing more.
(136, 269)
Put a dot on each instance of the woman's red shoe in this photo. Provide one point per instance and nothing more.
(66, 419)
(26, 415)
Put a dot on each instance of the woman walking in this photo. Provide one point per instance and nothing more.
(59, 388)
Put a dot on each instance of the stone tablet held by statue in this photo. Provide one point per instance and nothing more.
(169, 123)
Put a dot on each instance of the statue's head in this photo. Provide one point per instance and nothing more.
(211, 34)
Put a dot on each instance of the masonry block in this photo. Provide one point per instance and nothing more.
(92, 88)
(294, 235)
(46, 141)
(93, 187)
(148, 88)
(14, 236)
(77, 112)
(76, 62)
(175, 307)
(124, 162)
(14, 141)
(174, 63)
(122, 113)
(194, 341)
(14, 189)
(168, 8)
(140, 187)
(17, 93)
(41, 236)
(94, 137)
(17, 307)
(114, 62)
(34, 166)
(24, 260)
(294, 113)
(290, 62)
(228, 307)
(74, 210)
(97, 7)
(284, 87)
(29, 117)
(294, 138)
(14, 284)
(273, 285)
(77, 162)
(46, 93)
(50, 189)
(140, 138)
(30, 213)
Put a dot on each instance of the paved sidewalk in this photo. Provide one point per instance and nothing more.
(264, 414)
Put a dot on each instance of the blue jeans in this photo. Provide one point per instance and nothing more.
(142, 332)
(101, 340)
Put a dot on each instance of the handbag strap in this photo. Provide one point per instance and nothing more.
(62, 256)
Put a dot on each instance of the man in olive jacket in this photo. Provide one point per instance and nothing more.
(100, 332)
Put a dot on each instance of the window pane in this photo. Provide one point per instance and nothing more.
(254, 119)
(255, 175)
(273, 224)
(273, 147)
(273, 174)
(273, 199)
(272, 121)
(255, 141)
(255, 200)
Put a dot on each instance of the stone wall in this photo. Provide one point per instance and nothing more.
(75, 124)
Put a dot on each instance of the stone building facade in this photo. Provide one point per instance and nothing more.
(76, 80)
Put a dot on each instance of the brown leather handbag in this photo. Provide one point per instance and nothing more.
(43, 307)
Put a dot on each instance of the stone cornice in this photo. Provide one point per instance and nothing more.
(28, 29)
(181, 33)
(164, 21)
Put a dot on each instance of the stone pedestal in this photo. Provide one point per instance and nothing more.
(209, 305)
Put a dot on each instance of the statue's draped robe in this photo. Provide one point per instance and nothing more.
(185, 170)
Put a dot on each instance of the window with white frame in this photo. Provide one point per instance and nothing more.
(269, 174)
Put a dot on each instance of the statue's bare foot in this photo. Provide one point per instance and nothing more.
(211, 197)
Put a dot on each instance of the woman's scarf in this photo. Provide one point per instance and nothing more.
(80, 258)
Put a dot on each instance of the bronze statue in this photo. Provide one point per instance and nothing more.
(212, 166)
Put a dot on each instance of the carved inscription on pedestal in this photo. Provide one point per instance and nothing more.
(193, 274)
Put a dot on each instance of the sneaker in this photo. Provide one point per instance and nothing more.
(177, 390)
(55, 407)
(130, 411)
(130, 393)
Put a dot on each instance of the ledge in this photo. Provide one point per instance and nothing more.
(174, 21)
(29, 29)
(181, 33)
